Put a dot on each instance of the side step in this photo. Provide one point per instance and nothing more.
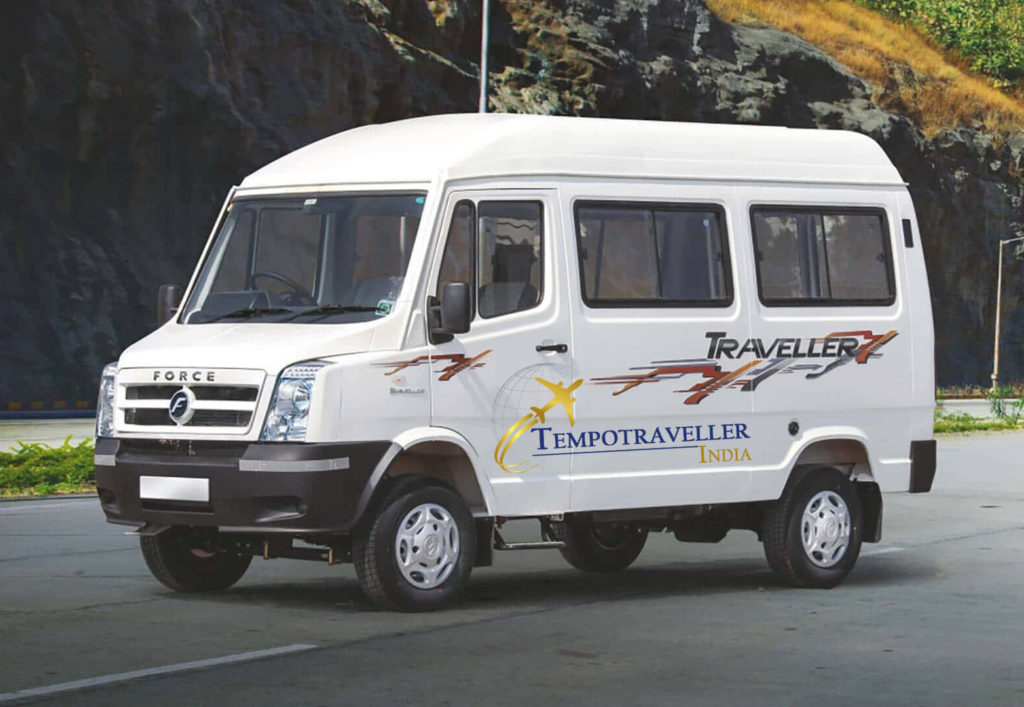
(147, 531)
(500, 544)
(330, 554)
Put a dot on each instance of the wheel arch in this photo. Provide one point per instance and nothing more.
(432, 453)
(849, 453)
(850, 456)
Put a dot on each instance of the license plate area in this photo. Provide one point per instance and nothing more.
(174, 488)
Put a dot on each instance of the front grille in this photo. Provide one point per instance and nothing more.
(182, 448)
(226, 405)
(206, 392)
(201, 418)
(151, 392)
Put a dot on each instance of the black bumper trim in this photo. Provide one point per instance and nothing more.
(922, 465)
(301, 489)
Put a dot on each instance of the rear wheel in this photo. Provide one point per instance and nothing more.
(812, 535)
(600, 547)
(417, 552)
(180, 560)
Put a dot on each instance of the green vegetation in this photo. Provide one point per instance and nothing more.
(42, 470)
(947, 422)
(989, 34)
(1004, 406)
(910, 71)
(1006, 403)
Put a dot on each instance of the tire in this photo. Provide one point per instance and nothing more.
(407, 556)
(175, 559)
(606, 547)
(834, 538)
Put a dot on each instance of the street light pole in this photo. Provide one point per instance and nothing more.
(999, 311)
(485, 31)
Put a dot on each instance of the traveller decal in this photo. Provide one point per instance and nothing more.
(781, 355)
(458, 363)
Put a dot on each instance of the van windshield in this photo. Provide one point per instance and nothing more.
(309, 260)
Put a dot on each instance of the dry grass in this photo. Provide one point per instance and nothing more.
(909, 74)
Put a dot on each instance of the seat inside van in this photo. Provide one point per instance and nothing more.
(510, 289)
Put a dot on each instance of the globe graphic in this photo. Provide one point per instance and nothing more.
(521, 392)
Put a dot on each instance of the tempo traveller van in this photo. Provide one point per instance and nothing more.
(402, 336)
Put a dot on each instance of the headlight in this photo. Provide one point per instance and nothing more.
(105, 403)
(288, 417)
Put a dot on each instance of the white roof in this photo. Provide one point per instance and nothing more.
(465, 146)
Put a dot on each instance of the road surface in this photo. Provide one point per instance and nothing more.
(931, 616)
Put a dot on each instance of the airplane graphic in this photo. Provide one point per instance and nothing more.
(560, 395)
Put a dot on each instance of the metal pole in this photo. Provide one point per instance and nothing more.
(999, 310)
(485, 31)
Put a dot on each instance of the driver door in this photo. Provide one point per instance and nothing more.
(493, 383)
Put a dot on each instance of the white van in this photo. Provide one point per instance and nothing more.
(402, 336)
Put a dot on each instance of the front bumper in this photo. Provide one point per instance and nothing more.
(298, 489)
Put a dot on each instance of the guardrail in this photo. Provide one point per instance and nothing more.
(46, 409)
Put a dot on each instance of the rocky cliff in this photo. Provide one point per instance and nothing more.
(124, 123)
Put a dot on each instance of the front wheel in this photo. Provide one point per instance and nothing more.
(417, 552)
(178, 559)
(600, 547)
(812, 535)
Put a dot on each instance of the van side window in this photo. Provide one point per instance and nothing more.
(510, 256)
(457, 261)
(652, 255)
(822, 256)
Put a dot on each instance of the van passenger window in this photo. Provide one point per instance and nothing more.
(457, 261)
(822, 256)
(652, 255)
(509, 256)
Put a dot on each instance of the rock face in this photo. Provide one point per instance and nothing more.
(125, 123)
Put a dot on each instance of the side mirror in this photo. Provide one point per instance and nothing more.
(456, 307)
(451, 314)
(168, 299)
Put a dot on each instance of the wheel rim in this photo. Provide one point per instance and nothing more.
(427, 546)
(613, 537)
(825, 529)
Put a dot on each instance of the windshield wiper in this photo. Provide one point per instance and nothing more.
(325, 310)
(248, 312)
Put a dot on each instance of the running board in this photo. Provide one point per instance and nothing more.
(500, 544)
(329, 554)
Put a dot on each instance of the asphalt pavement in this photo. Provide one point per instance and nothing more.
(931, 616)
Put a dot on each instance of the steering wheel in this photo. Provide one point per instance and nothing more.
(298, 292)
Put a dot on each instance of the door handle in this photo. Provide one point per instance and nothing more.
(557, 348)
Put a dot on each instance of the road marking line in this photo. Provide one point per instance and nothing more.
(882, 551)
(194, 665)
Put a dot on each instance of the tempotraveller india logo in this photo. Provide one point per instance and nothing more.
(532, 390)
(560, 396)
